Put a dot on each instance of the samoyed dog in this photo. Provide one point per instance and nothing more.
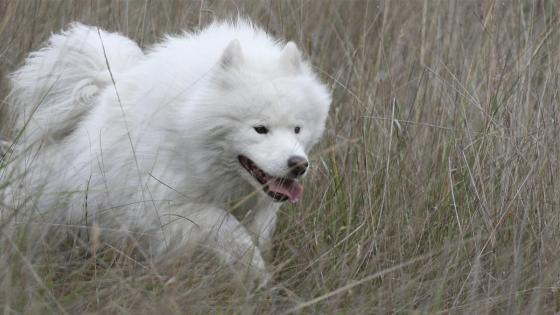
(198, 140)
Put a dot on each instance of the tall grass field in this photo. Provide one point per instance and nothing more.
(436, 189)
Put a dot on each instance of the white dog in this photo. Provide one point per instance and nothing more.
(200, 139)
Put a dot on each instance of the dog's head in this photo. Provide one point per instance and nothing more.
(275, 109)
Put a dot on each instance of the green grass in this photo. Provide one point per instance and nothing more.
(435, 189)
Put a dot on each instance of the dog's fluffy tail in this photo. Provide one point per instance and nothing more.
(56, 85)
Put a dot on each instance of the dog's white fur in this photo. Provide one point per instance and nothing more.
(150, 142)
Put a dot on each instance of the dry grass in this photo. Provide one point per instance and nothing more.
(435, 189)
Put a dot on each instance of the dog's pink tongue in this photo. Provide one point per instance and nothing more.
(289, 188)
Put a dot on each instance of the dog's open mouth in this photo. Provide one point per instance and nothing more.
(278, 188)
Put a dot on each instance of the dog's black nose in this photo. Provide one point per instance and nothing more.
(298, 165)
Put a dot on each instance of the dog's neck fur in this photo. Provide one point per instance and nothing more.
(219, 182)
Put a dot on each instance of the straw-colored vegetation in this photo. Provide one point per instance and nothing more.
(436, 188)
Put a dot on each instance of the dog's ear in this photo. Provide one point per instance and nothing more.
(291, 58)
(232, 57)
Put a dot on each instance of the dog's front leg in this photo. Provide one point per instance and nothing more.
(262, 225)
(221, 232)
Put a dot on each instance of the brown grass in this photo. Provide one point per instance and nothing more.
(435, 189)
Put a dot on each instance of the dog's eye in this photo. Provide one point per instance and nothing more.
(297, 129)
(261, 129)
